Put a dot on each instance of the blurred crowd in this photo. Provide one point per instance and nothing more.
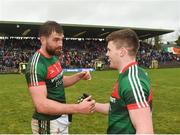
(147, 53)
(14, 51)
(76, 53)
(81, 54)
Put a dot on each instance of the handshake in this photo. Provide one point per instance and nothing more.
(86, 104)
(81, 98)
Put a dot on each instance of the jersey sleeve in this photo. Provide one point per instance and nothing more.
(134, 92)
(36, 74)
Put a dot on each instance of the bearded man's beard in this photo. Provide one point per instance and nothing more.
(57, 51)
(50, 51)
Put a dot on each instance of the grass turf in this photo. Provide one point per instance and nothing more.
(16, 106)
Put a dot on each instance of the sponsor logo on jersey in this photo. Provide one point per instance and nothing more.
(54, 70)
(57, 77)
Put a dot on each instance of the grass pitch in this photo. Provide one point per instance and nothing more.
(16, 106)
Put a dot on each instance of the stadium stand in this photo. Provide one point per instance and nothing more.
(77, 54)
(84, 46)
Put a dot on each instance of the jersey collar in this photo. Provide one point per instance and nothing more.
(129, 65)
(43, 54)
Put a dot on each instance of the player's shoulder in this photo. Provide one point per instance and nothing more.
(136, 71)
(133, 74)
(36, 61)
(143, 74)
(35, 57)
(142, 70)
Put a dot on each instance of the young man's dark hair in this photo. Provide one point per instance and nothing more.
(125, 38)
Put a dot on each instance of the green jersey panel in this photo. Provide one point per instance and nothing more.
(46, 71)
(36, 72)
(135, 87)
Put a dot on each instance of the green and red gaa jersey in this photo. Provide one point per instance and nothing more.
(46, 71)
(131, 91)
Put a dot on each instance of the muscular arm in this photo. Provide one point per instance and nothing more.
(47, 106)
(142, 120)
(71, 80)
(102, 108)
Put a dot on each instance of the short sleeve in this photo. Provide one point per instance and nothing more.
(36, 74)
(134, 92)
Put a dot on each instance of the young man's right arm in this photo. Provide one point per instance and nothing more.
(102, 108)
(51, 107)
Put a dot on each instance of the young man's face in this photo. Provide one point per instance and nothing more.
(54, 43)
(113, 54)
